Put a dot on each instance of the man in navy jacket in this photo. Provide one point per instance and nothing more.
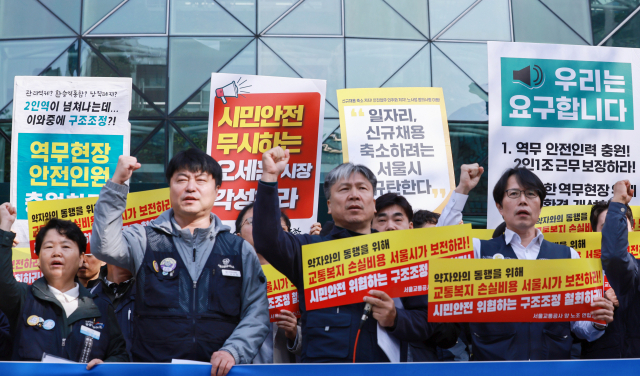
(330, 333)
(621, 267)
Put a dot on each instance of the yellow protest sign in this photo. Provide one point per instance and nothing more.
(482, 234)
(343, 271)
(142, 207)
(25, 269)
(513, 290)
(564, 219)
(282, 294)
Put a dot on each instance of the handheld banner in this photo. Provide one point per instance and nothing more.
(491, 290)
(67, 135)
(25, 269)
(142, 207)
(568, 114)
(249, 115)
(482, 234)
(282, 294)
(565, 219)
(402, 135)
(635, 210)
(343, 271)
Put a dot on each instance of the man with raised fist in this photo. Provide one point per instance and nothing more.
(329, 334)
(201, 293)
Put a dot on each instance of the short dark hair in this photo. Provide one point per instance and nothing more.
(601, 206)
(240, 219)
(390, 199)
(67, 229)
(422, 217)
(524, 177)
(194, 160)
(244, 211)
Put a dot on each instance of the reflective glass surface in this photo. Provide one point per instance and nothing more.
(29, 19)
(376, 19)
(318, 17)
(606, 15)
(488, 20)
(152, 158)
(204, 18)
(535, 23)
(67, 10)
(127, 20)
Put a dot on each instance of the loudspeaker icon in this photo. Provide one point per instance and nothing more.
(230, 90)
(523, 77)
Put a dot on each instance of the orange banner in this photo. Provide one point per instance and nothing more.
(343, 271)
(282, 294)
(491, 290)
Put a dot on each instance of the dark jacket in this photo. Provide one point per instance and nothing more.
(521, 340)
(623, 275)
(123, 306)
(5, 338)
(330, 333)
(20, 300)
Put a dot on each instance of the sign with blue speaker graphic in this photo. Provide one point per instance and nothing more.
(567, 113)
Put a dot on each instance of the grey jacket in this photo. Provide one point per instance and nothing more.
(125, 248)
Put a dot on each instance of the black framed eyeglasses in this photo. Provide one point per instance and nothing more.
(528, 193)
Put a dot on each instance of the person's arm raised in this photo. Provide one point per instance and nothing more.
(108, 241)
(12, 291)
(469, 177)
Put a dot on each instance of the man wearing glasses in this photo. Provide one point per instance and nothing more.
(519, 195)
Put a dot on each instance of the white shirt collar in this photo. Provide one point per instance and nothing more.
(511, 237)
(67, 296)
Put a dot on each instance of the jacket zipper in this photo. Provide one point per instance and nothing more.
(195, 285)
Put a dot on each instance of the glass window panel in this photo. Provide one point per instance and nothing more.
(416, 73)
(5, 154)
(140, 129)
(136, 17)
(7, 112)
(198, 104)
(270, 10)
(489, 20)
(376, 19)
(319, 58)
(469, 144)
(606, 15)
(29, 19)
(371, 62)
(66, 64)
(177, 143)
(203, 18)
(196, 130)
(330, 111)
(533, 22)
(330, 125)
(142, 58)
(576, 13)
(312, 17)
(67, 10)
(443, 12)
(628, 35)
(416, 12)
(26, 58)
(151, 157)
(464, 99)
(244, 11)
(269, 64)
(471, 58)
(193, 60)
(94, 10)
(331, 153)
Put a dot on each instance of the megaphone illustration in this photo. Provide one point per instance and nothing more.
(230, 90)
(523, 77)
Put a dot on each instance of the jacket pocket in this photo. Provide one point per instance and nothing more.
(225, 291)
(494, 341)
(327, 335)
(34, 341)
(161, 291)
(557, 341)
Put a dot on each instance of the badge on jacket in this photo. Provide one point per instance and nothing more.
(168, 265)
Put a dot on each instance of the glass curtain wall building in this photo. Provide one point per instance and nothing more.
(170, 47)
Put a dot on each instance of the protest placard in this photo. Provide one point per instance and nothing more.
(565, 219)
(25, 269)
(513, 290)
(567, 113)
(249, 115)
(67, 135)
(281, 293)
(402, 135)
(343, 271)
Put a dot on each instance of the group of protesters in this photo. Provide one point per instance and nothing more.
(186, 287)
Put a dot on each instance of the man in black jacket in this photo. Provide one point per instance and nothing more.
(330, 333)
(56, 315)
